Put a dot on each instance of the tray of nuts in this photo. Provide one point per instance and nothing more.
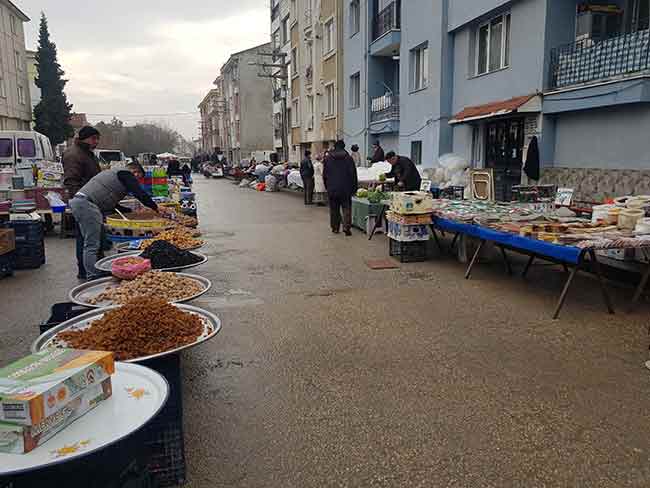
(170, 287)
(106, 263)
(138, 331)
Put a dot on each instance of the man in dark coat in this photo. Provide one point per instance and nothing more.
(407, 177)
(340, 178)
(307, 175)
(80, 165)
(377, 153)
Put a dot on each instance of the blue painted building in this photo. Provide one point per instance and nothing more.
(481, 78)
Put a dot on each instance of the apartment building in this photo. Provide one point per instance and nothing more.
(211, 108)
(279, 76)
(248, 105)
(482, 79)
(316, 74)
(15, 103)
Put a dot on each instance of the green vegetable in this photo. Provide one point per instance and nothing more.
(362, 193)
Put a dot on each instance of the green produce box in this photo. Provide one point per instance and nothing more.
(21, 439)
(38, 386)
(361, 210)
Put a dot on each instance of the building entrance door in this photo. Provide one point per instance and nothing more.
(504, 145)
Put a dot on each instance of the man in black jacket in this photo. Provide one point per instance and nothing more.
(307, 175)
(407, 177)
(340, 178)
(377, 153)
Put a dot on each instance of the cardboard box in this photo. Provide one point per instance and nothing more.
(39, 385)
(21, 439)
(7, 241)
(412, 202)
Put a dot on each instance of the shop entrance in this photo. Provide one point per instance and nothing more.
(504, 145)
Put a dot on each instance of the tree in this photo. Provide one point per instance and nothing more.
(52, 114)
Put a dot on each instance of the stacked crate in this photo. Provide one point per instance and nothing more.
(7, 248)
(409, 221)
(30, 243)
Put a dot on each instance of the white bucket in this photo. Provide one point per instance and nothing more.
(599, 212)
(628, 218)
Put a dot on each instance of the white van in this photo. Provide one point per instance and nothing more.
(24, 148)
(113, 158)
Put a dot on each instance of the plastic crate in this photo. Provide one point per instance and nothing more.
(29, 256)
(7, 264)
(27, 231)
(408, 252)
(164, 437)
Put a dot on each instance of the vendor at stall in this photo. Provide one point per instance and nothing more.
(407, 177)
(99, 197)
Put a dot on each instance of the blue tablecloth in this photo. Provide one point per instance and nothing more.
(567, 254)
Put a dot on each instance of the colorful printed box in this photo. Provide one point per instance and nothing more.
(21, 439)
(38, 386)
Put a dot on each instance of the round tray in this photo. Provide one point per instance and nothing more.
(80, 294)
(106, 263)
(139, 393)
(211, 323)
(125, 246)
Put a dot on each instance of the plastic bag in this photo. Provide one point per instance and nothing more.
(271, 183)
(54, 199)
(130, 267)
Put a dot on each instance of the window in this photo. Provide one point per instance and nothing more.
(284, 29)
(294, 61)
(295, 114)
(17, 62)
(416, 152)
(329, 37)
(6, 148)
(355, 17)
(355, 90)
(3, 89)
(330, 100)
(21, 95)
(420, 67)
(26, 148)
(493, 45)
(310, 106)
(14, 24)
(476, 146)
(294, 11)
(277, 43)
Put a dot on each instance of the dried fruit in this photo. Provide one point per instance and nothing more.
(178, 237)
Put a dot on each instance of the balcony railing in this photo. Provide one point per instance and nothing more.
(385, 107)
(387, 20)
(587, 61)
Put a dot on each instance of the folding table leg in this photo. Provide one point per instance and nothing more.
(435, 237)
(601, 280)
(378, 222)
(639, 289)
(471, 264)
(506, 260)
(528, 265)
(566, 269)
(454, 241)
(567, 285)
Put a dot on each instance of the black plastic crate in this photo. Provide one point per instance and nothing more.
(29, 256)
(7, 264)
(27, 231)
(408, 252)
(164, 438)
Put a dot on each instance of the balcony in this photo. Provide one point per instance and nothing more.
(309, 75)
(586, 62)
(386, 33)
(384, 114)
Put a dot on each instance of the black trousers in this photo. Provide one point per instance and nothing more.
(308, 183)
(340, 205)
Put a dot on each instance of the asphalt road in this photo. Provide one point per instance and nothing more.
(327, 373)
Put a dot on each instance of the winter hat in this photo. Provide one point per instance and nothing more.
(86, 132)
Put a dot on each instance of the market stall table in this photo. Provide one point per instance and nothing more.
(74, 456)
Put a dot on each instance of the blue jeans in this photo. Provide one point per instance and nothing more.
(80, 250)
(90, 221)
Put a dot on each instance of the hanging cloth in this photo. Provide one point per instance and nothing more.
(531, 168)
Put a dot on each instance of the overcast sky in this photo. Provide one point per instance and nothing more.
(135, 57)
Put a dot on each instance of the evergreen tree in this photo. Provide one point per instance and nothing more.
(52, 114)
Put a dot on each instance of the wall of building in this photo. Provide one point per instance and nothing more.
(256, 106)
(464, 11)
(613, 137)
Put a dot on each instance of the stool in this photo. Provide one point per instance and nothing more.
(68, 227)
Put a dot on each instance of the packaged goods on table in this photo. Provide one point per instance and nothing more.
(412, 202)
(180, 238)
(154, 285)
(141, 328)
(44, 392)
(163, 254)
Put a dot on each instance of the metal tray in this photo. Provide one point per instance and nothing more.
(123, 247)
(80, 294)
(106, 263)
(212, 326)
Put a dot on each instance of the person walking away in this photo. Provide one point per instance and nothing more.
(377, 153)
(340, 177)
(307, 175)
(407, 177)
(80, 165)
(356, 157)
(99, 197)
